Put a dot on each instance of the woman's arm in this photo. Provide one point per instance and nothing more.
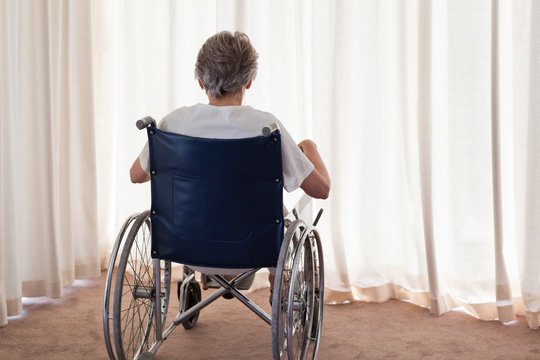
(137, 173)
(317, 184)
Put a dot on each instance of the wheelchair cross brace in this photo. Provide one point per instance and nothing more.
(181, 317)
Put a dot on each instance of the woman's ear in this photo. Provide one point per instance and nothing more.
(249, 84)
(200, 84)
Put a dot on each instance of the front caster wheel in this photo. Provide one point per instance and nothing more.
(188, 297)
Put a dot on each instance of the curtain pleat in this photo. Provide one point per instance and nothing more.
(8, 96)
(425, 146)
(527, 157)
(503, 294)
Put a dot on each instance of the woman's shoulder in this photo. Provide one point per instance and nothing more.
(177, 115)
(265, 116)
(179, 112)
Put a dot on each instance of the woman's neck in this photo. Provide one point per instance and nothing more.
(226, 100)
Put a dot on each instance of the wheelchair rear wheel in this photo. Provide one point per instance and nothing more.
(298, 295)
(134, 296)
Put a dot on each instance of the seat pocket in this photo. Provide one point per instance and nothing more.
(206, 209)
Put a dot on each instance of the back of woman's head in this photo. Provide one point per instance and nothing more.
(226, 63)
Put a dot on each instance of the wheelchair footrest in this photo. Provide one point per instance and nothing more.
(208, 282)
(147, 356)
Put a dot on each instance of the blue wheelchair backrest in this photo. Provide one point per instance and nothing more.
(216, 202)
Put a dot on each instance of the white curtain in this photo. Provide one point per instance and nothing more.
(432, 103)
(48, 212)
(424, 111)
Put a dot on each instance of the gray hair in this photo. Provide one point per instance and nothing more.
(226, 63)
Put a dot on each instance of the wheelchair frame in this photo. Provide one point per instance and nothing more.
(144, 283)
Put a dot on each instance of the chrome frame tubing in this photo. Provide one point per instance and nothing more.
(157, 310)
(157, 301)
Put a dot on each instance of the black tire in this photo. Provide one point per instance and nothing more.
(109, 284)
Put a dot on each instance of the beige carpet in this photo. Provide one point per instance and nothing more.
(71, 328)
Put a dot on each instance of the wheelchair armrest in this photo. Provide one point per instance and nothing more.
(144, 122)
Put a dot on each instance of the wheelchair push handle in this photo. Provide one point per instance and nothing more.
(268, 130)
(144, 122)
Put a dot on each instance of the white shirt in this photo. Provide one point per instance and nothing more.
(233, 122)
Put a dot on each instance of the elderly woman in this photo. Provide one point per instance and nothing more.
(226, 66)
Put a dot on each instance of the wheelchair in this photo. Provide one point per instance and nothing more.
(215, 204)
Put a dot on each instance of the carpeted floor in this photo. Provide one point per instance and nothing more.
(71, 328)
